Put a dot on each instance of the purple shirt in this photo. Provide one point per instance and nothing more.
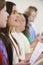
(4, 53)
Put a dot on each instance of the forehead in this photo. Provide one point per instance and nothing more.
(14, 7)
(33, 12)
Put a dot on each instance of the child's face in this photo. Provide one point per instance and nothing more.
(3, 17)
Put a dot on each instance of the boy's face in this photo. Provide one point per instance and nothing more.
(32, 16)
(3, 17)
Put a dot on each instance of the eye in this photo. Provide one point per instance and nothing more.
(16, 20)
(14, 11)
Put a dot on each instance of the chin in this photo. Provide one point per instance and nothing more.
(4, 26)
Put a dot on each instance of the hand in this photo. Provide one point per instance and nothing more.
(24, 62)
(38, 37)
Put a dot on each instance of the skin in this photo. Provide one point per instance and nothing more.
(32, 17)
(3, 17)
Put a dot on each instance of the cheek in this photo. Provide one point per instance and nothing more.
(24, 24)
(10, 21)
(3, 22)
(22, 27)
(4, 15)
(2, 19)
(31, 18)
(11, 24)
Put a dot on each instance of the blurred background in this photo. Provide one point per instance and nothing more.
(23, 4)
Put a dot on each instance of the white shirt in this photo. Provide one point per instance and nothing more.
(25, 42)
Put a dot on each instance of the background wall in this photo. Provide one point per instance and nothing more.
(23, 4)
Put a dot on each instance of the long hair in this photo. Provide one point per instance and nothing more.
(9, 6)
(26, 27)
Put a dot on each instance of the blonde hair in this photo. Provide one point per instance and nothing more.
(30, 9)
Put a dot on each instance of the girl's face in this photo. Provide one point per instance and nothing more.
(22, 23)
(16, 21)
(3, 18)
(13, 17)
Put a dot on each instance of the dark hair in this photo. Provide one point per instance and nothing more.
(26, 27)
(26, 17)
(9, 6)
(2, 3)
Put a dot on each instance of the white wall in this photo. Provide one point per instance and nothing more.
(23, 4)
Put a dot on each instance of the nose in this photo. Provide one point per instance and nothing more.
(7, 14)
